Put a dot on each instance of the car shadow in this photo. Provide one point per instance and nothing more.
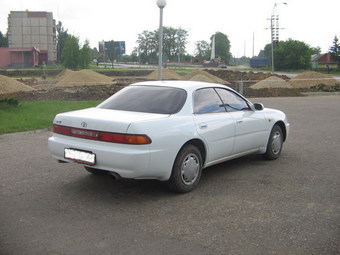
(224, 169)
(105, 186)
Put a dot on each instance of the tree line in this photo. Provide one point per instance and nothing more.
(289, 55)
(294, 55)
(72, 55)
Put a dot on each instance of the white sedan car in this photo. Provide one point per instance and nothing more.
(167, 130)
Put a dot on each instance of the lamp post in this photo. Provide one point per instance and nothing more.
(161, 4)
(274, 28)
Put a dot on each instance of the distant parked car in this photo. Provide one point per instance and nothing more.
(223, 66)
(167, 130)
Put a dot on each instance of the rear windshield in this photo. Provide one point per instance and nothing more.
(149, 99)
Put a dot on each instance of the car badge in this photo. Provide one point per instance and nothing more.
(83, 124)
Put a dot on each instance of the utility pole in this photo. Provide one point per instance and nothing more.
(274, 29)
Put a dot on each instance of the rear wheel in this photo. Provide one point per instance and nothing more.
(187, 170)
(275, 143)
(95, 171)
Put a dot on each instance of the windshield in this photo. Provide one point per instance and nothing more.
(149, 99)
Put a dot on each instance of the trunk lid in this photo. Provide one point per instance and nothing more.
(103, 119)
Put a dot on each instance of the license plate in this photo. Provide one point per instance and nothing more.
(79, 156)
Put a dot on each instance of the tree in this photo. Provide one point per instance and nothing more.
(61, 40)
(70, 53)
(203, 50)
(174, 44)
(85, 55)
(3, 40)
(266, 52)
(222, 46)
(335, 50)
(292, 54)
(244, 61)
(130, 58)
(175, 40)
(146, 45)
(316, 50)
(95, 53)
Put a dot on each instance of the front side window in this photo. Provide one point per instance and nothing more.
(148, 99)
(232, 101)
(207, 101)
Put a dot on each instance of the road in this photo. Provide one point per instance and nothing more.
(245, 206)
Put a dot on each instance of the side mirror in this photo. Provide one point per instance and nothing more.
(258, 107)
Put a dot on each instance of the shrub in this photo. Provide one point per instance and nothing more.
(9, 102)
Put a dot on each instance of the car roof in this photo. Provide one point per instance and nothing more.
(187, 85)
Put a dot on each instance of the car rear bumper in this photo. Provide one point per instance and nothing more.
(128, 161)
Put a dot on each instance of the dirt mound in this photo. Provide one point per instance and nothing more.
(311, 79)
(63, 74)
(200, 75)
(9, 85)
(76, 93)
(271, 92)
(84, 77)
(167, 74)
(271, 82)
(249, 77)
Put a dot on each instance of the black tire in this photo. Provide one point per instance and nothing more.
(275, 143)
(187, 170)
(95, 171)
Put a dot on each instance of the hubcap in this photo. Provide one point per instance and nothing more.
(190, 169)
(277, 142)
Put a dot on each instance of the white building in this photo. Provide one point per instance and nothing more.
(34, 29)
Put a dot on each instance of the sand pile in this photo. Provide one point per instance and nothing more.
(167, 74)
(9, 85)
(271, 82)
(201, 77)
(63, 74)
(204, 76)
(85, 77)
(311, 79)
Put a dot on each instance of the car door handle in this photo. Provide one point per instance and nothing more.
(239, 121)
(203, 125)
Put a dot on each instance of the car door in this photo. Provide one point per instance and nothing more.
(250, 129)
(213, 124)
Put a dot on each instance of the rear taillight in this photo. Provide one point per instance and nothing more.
(101, 136)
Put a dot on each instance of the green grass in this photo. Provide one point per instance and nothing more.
(36, 114)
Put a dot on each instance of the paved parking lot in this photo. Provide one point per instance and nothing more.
(245, 206)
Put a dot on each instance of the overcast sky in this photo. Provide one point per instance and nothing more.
(314, 22)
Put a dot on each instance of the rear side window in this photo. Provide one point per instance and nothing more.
(149, 99)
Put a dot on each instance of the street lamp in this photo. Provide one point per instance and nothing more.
(161, 4)
(274, 28)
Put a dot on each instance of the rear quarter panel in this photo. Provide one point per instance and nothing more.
(168, 135)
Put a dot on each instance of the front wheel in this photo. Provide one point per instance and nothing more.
(187, 170)
(275, 143)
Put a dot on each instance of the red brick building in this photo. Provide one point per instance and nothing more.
(22, 57)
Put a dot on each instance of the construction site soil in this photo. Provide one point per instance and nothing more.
(80, 85)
